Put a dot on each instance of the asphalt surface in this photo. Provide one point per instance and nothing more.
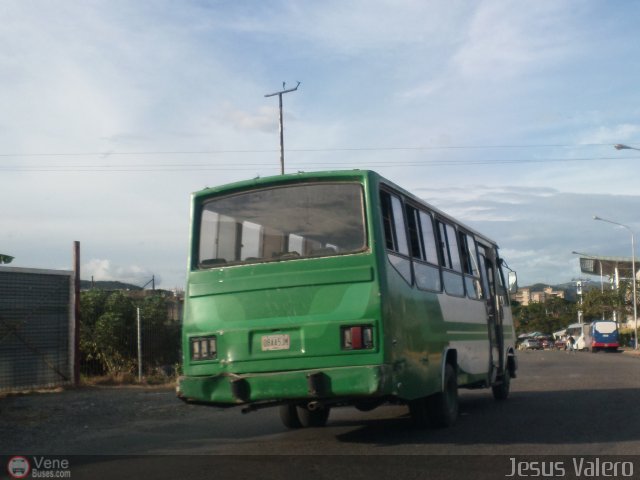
(573, 404)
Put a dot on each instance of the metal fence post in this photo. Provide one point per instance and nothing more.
(76, 313)
(139, 346)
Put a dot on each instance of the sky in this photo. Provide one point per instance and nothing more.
(503, 114)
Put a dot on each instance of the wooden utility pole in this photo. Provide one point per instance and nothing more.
(281, 124)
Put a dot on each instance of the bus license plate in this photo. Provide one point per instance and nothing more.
(276, 342)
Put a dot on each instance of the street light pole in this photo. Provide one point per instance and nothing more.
(633, 273)
(281, 124)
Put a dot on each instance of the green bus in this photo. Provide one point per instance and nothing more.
(310, 291)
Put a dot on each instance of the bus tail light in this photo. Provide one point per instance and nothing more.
(359, 337)
(204, 348)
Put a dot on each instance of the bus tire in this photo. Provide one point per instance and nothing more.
(368, 405)
(313, 418)
(418, 409)
(289, 416)
(442, 408)
(501, 390)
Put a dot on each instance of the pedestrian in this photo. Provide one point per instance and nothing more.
(571, 343)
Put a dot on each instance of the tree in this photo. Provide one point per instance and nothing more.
(548, 317)
(602, 304)
(115, 334)
(92, 307)
(108, 334)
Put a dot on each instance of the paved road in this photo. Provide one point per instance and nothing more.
(561, 404)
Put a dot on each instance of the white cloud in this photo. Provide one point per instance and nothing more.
(426, 89)
(364, 27)
(102, 269)
(265, 120)
(611, 134)
(500, 43)
(538, 232)
(507, 39)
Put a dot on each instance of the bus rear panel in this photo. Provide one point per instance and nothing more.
(604, 335)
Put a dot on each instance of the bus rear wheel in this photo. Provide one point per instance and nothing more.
(418, 409)
(289, 416)
(443, 406)
(313, 418)
(441, 409)
(294, 416)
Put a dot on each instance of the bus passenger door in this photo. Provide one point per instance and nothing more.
(494, 320)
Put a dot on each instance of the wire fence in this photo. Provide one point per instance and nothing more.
(36, 328)
(128, 336)
(124, 336)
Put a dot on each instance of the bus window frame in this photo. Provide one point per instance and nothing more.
(385, 189)
(444, 244)
(419, 211)
(465, 258)
(200, 205)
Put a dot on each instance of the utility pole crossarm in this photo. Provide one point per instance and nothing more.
(283, 91)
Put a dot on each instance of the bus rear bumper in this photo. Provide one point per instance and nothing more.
(236, 389)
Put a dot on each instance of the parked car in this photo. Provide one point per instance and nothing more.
(561, 344)
(546, 343)
(530, 344)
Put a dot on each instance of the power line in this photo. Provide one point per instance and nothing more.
(173, 167)
(304, 150)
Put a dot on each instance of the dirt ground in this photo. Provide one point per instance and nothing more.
(62, 419)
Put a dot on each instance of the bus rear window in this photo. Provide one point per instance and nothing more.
(283, 223)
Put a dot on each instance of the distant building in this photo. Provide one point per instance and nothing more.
(526, 297)
(523, 296)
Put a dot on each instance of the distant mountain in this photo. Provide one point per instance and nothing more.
(107, 285)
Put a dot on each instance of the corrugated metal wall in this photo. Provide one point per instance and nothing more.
(36, 335)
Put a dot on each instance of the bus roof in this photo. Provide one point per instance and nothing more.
(359, 175)
(284, 179)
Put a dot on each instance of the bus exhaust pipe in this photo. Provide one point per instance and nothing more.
(313, 406)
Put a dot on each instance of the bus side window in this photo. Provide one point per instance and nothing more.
(429, 238)
(424, 250)
(395, 234)
(452, 272)
(470, 266)
(413, 225)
